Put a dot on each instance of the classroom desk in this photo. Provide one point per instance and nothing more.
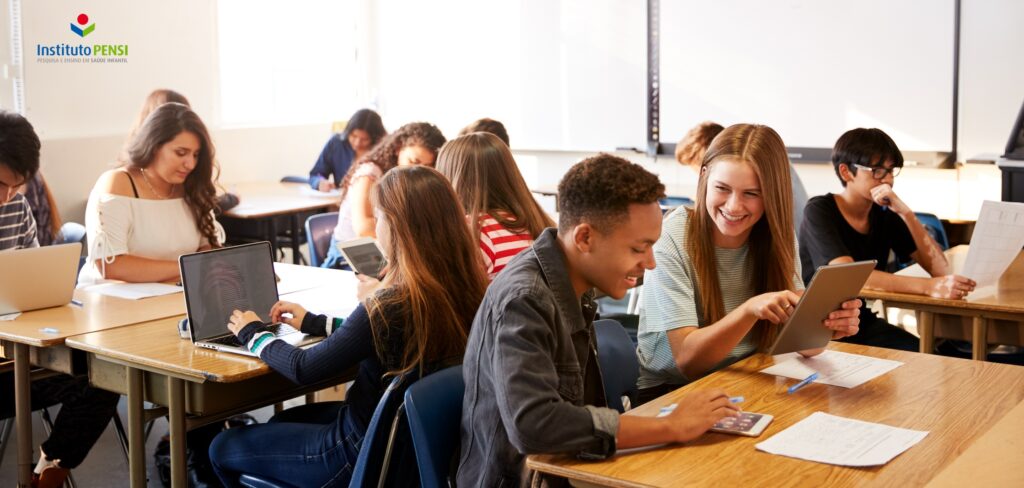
(148, 361)
(263, 202)
(994, 460)
(24, 339)
(955, 400)
(1002, 301)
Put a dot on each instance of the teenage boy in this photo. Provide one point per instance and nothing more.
(866, 221)
(86, 411)
(533, 384)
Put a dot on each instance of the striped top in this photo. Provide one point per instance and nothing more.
(499, 245)
(17, 227)
(670, 299)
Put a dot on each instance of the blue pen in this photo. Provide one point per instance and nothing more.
(803, 383)
(736, 399)
(77, 303)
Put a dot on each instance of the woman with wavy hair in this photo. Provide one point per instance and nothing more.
(158, 205)
(416, 319)
(728, 273)
(499, 206)
(416, 143)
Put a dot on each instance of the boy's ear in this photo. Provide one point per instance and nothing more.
(845, 173)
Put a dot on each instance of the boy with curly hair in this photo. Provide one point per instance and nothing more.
(533, 383)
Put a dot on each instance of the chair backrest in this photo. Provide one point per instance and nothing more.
(433, 406)
(318, 235)
(73, 232)
(620, 368)
(934, 227)
(375, 446)
(295, 179)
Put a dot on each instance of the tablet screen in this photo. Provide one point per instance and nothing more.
(365, 258)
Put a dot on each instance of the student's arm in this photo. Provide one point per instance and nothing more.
(322, 169)
(928, 253)
(949, 286)
(363, 221)
(135, 269)
(350, 343)
(695, 413)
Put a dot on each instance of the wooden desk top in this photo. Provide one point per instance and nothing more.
(993, 460)
(1007, 296)
(956, 400)
(267, 199)
(98, 312)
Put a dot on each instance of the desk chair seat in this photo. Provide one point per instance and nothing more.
(372, 465)
(249, 481)
(319, 229)
(433, 406)
(619, 366)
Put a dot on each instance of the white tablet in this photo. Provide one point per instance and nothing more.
(364, 255)
(829, 288)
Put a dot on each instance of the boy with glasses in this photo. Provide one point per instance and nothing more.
(867, 221)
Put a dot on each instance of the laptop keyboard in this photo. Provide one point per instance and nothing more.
(278, 330)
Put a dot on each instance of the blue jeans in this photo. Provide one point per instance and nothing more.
(309, 445)
(334, 258)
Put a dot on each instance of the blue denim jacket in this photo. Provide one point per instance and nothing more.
(531, 372)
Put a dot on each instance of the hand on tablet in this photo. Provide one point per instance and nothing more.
(240, 319)
(775, 307)
(367, 286)
(844, 321)
(295, 310)
(697, 412)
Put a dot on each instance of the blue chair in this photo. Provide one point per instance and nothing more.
(669, 204)
(620, 368)
(295, 179)
(73, 232)
(318, 236)
(249, 481)
(934, 227)
(433, 406)
(375, 451)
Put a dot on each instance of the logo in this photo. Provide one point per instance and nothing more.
(82, 29)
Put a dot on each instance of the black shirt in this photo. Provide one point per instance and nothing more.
(825, 235)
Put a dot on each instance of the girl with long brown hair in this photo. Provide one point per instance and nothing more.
(727, 272)
(416, 318)
(499, 206)
(159, 205)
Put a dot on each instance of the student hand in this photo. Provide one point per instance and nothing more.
(884, 196)
(845, 320)
(325, 185)
(295, 310)
(240, 319)
(953, 287)
(775, 307)
(697, 412)
(367, 286)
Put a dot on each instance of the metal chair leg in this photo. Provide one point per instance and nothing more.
(122, 435)
(5, 435)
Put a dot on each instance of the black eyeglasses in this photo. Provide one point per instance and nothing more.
(879, 172)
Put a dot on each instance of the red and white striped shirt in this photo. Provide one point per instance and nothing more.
(499, 245)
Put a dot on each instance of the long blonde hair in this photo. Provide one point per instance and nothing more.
(433, 272)
(487, 181)
(771, 240)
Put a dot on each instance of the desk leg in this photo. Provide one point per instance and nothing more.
(136, 423)
(979, 346)
(272, 236)
(23, 413)
(296, 257)
(925, 328)
(176, 398)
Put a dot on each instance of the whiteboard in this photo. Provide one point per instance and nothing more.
(811, 69)
(560, 74)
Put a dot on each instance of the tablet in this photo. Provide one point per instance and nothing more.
(364, 255)
(830, 287)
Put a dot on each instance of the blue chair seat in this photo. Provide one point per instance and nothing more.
(319, 229)
(250, 481)
(620, 368)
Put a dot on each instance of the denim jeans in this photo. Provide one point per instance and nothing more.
(310, 445)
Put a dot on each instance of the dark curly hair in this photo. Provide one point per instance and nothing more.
(19, 145)
(385, 154)
(600, 189)
(159, 128)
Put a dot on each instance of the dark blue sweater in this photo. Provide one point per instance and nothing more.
(335, 159)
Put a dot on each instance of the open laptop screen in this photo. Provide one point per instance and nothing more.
(220, 281)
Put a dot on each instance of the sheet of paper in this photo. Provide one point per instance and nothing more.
(997, 239)
(336, 301)
(10, 316)
(133, 291)
(833, 368)
(825, 438)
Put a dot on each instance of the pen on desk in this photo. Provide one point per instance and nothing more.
(736, 399)
(77, 303)
(49, 330)
(806, 381)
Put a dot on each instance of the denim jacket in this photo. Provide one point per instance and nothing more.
(531, 372)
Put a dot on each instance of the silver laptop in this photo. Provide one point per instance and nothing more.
(221, 281)
(829, 288)
(38, 277)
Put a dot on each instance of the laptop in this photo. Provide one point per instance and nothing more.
(220, 281)
(829, 288)
(38, 277)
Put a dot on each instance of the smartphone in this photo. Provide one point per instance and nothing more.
(748, 423)
(364, 255)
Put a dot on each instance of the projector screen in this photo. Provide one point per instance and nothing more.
(811, 69)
